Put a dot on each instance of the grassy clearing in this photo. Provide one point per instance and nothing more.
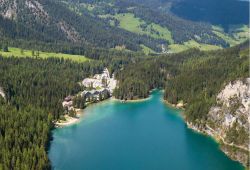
(89, 7)
(237, 34)
(244, 52)
(241, 33)
(191, 44)
(17, 52)
(130, 23)
(147, 50)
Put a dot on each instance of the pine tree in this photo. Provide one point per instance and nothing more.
(22, 52)
(32, 53)
(5, 48)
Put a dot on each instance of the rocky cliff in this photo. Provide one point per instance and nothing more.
(228, 120)
(2, 92)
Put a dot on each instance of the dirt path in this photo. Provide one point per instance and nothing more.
(226, 143)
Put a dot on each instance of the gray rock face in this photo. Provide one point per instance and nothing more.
(229, 119)
(2, 93)
(8, 9)
(232, 112)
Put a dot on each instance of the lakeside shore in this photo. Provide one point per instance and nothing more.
(69, 120)
(208, 131)
(131, 101)
(79, 112)
(224, 146)
(136, 100)
(176, 106)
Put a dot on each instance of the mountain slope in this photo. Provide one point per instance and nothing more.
(223, 12)
(51, 21)
(111, 24)
(141, 18)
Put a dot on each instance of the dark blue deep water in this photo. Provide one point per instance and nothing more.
(146, 135)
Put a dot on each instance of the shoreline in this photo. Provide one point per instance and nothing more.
(79, 112)
(131, 101)
(218, 139)
(69, 120)
(175, 106)
(135, 100)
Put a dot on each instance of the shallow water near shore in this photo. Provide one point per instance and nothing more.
(145, 135)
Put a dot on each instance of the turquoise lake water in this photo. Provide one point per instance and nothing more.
(145, 135)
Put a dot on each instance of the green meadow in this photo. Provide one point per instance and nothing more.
(147, 50)
(236, 34)
(17, 52)
(130, 23)
(191, 44)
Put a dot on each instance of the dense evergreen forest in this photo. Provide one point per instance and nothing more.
(34, 90)
(199, 80)
(136, 83)
(52, 22)
(136, 80)
(192, 76)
